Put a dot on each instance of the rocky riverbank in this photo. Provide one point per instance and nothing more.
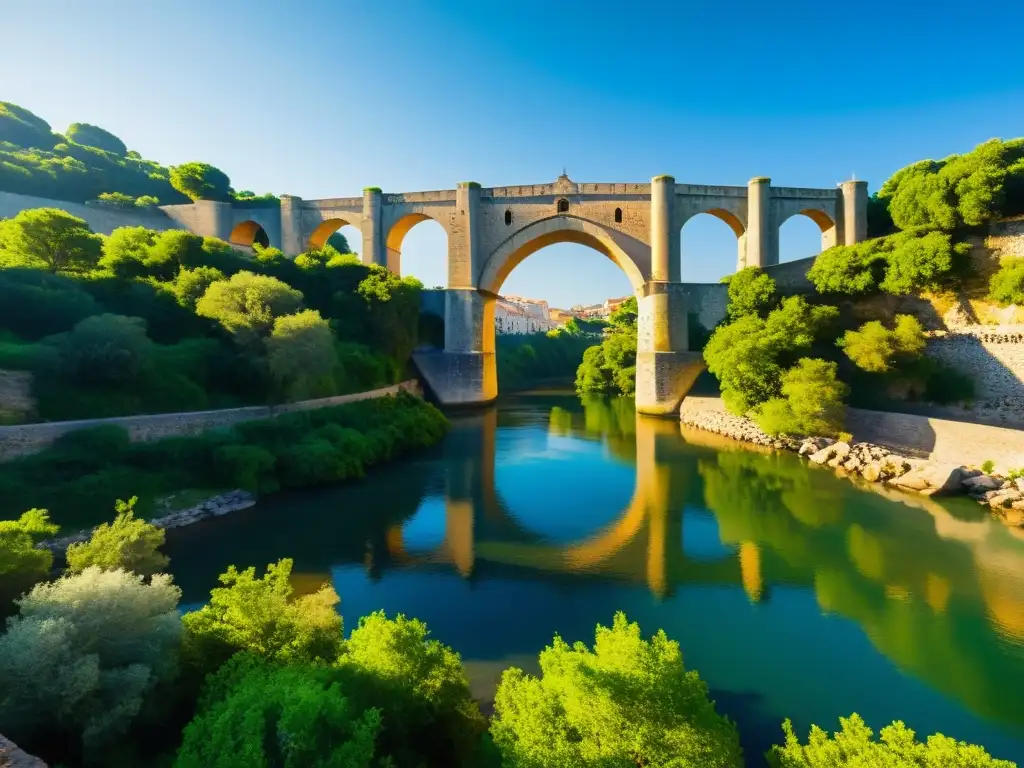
(878, 464)
(215, 506)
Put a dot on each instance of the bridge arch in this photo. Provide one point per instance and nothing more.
(789, 228)
(629, 254)
(395, 238)
(713, 237)
(322, 232)
(249, 233)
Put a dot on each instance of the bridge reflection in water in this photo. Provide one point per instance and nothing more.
(939, 589)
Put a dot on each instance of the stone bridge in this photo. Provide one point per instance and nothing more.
(491, 230)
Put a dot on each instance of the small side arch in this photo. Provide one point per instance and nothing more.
(249, 233)
(396, 236)
(826, 225)
(319, 236)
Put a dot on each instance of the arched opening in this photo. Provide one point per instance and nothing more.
(419, 251)
(618, 215)
(249, 233)
(339, 233)
(710, 245)
(508, 218)
(563, 205)
(805, 234)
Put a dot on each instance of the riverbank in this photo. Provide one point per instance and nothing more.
(80, 476)
(916, 471)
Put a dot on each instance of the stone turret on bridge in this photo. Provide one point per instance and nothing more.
(491, 230)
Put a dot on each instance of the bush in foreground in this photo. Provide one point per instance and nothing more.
(127, 543)
(1007, 285)
(21, 562)
(258, 616)
(811, 402)
(84, 652)
(897, 747)
(626, 702)
(254, 713)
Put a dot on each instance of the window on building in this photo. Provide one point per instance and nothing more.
(508, 218)
(618, 215)
(563, 206)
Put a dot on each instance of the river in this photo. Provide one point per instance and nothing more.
(793, 592)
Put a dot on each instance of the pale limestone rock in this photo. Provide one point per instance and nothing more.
(872, 471)
(824, 455)
(930, 479)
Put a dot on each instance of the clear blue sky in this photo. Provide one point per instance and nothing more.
(320, 99)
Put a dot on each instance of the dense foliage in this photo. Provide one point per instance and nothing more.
(751, 292)
(610, 367)
(83, 654)
(78, 478)
(628, 701)
(94, 136)
(897, 747)
(878, 349)
(21, 562)
(143, 321)
(1007, 284)
(527, 359)
(200, 181)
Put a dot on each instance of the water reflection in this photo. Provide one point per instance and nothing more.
(689, 520)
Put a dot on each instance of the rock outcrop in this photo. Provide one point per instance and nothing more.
(12, 757)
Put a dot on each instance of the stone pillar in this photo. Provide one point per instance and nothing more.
(213, 219)
(665, 264)
(292, 242)
(853, 213)
(465, 373)
(464, 255)
(761, 247)
(373, 236)
(665, 368)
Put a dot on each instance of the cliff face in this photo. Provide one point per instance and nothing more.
(12, 757)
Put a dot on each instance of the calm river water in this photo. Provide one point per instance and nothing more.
(793, 592)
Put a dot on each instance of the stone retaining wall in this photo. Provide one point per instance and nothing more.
(24, 439)
(939, 440)
(993, 356)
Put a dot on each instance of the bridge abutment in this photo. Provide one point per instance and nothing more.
(665, 366)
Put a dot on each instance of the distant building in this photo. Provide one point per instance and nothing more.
(514, 314)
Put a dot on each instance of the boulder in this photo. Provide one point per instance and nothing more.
(986, 482)
(871, 471)
(841, 449)
(930, 479)
(824, 455)
(12, 757)
(1005, 498)
(1019, 482)
(894, 465)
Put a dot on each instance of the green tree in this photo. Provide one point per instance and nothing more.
(429, 715)
(921, 263)
(1007, 284)
(126, 251)
(93, 136)
(83, 653)
(301, 354)
(612, 367)
(897, 747)
(877, 349)
(146, 201)
(749, 355)
(118, 199)
(201, 181)
(339, 242)
(191, 284)
(247, 304)
(51, 239)
(394, 309)
(254, 713)
(127, 543)
(811, 402)
(257, 615)
(106, 348)
(751, 292)
(627, 702)
(21, 562)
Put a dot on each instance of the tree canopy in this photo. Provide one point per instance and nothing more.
(201, 181)
(94, 136)
(48, 238)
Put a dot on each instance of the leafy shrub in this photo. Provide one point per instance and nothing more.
(897, 746)
(92, 136)
(428, 714)
(922, 263)
(127, 543)
(877, 349)
(258, 616)
(21, 563)
(300, 351)
(35, 304)
(751, 291)
(105, 348)
(811, 402)
(1007, 284)
(628, 701)
(612, 368)
(24, 129)
(116, 199)
(191, 284)
(126, 251)
(83, 653)
(247, 304)
(749, 354)
(254, 713)
(50, 239)
(246, 466)
(200, 181)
